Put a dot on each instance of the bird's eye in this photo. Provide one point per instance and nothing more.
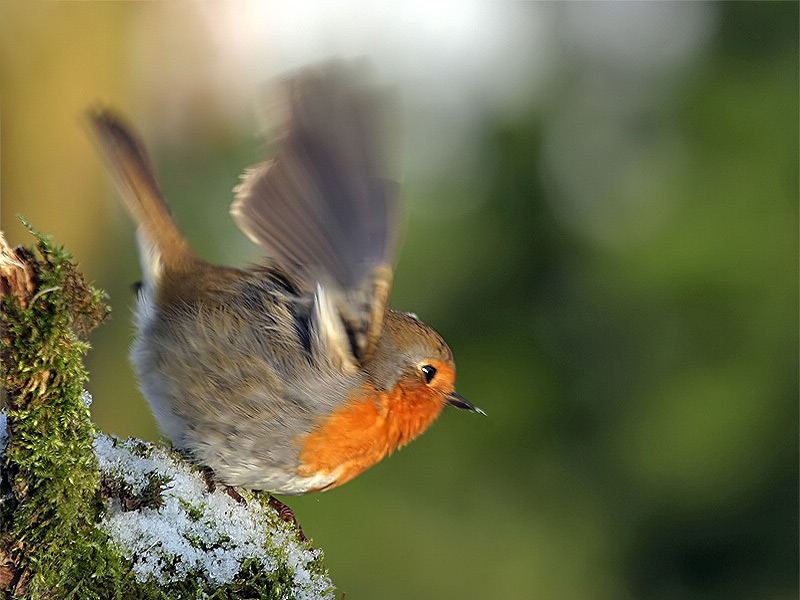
(429, 372)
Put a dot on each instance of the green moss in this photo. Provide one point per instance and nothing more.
(129, 499)
(252, 581)
(50, 478)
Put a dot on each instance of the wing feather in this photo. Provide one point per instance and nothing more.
(325, 208)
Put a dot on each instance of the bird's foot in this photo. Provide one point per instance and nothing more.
(287, 514)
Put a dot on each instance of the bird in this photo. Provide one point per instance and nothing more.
(294, 375)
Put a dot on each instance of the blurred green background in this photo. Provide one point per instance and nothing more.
(602, 222)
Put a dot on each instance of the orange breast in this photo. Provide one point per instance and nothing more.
(370, 426)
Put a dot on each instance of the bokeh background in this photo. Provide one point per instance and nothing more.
(602, 220)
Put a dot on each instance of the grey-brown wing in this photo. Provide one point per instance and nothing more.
(325, 208)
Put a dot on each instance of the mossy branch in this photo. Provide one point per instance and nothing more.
(83, 515)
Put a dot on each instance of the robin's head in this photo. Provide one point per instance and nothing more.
(412, 355)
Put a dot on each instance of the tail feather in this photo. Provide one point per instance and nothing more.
(161, 243)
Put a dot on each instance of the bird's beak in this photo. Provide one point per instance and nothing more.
(457, 400)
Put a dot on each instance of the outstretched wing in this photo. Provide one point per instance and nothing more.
(325, 207)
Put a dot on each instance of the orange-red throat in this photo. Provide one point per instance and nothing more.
(371, 425)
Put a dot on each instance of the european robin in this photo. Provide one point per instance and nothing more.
(292, 376)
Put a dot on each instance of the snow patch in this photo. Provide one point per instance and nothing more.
(185, 530)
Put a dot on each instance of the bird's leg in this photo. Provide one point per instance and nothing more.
(231, 491)
(208, 475)
(287, 514)
(284, 512)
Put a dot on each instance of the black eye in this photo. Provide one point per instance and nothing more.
(429, 372)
